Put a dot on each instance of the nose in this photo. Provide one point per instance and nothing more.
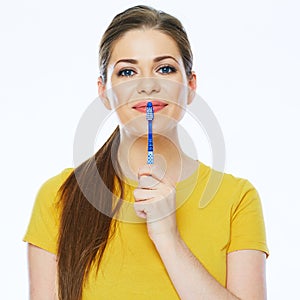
(148, 86)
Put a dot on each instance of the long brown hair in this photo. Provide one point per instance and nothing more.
(85, 229)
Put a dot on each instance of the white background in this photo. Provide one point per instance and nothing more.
(247, 61)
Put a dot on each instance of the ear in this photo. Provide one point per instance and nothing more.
(102, 93)
(192, 87)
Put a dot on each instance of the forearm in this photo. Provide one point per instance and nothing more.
(42, 274)
(189, 277)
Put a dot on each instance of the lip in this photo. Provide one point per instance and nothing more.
(157, 105)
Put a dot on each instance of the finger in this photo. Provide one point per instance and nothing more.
(152, 211)
(146, 181)
(162, 192)
(139, 211)
(149, 169)
(156, 172)
(143, 194)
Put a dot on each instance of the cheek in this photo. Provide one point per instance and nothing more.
(118, 96)
(175, 91)
(183, 93)
(124, 91)
(120, 110)
(135, 125)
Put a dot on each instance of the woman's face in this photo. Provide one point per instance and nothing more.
(146, 65)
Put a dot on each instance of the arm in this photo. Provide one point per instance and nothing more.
(245, 268)
(189, 277)
(245, 273)
(42, 274)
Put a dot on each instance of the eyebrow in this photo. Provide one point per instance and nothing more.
(159, 58)
(156, 59)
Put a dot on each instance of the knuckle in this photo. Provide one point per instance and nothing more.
(136, 193)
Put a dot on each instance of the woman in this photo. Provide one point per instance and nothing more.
(84, 243)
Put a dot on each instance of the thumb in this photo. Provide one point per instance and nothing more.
(156, 172)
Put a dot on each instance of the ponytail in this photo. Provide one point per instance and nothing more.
(85, 225)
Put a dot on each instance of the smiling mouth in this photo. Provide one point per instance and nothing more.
(157, 106)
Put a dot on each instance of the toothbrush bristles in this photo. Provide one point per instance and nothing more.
(149, 112)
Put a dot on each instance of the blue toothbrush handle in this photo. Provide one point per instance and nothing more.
(150, 140)
(150, 156)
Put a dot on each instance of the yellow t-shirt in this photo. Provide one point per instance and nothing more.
(212, 222)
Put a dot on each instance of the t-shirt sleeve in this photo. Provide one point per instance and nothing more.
(43, 226)
(247, 222)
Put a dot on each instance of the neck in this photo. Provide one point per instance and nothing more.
(168, 155)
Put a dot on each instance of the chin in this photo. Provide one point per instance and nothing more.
(136, 131)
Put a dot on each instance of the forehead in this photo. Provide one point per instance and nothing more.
(144, 43)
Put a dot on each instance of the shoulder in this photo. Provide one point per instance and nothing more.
(42, 230)
(59, 178)
(224, 187)
(48, 193)
(53, 184)
(235, 206)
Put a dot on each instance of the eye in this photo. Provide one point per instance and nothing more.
(126, 73)
(167, 70)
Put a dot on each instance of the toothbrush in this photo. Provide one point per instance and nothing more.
(149, 118)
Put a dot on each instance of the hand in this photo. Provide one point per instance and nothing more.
(155, 200)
